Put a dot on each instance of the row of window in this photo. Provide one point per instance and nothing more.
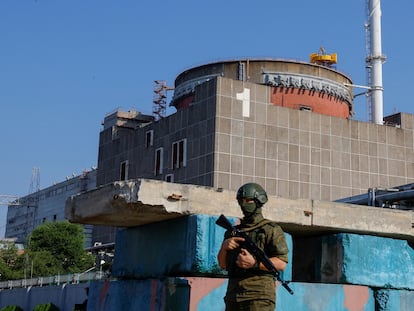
(178, 158)
(48, 192)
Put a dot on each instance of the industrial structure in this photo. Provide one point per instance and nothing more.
(287, 125)
(159, 107)
(46, 205)
(284, 124)
(374, 60)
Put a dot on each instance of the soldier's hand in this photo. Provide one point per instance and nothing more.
(232, 243)
(245, 260)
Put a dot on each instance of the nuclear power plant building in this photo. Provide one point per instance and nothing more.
(284, 124)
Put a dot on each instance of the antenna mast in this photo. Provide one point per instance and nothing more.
(33, 200)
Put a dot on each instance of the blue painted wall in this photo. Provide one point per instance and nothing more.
(64, 297)
(172, 266)
(390, 300)
(150, 294)
(326, 297)
(188, 245)
(202, 294)
(369, 260)
(188, 294)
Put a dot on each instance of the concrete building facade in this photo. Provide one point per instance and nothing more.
(285, 125)
(47, 205)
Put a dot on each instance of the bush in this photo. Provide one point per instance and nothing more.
(11, 308)
(46, 307)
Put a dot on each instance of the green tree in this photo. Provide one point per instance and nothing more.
(57, 248)
(9, 253)
(11, 308)
(10, 262)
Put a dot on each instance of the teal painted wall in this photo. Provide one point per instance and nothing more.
(187, 245)
(172, 266)
(206, 294)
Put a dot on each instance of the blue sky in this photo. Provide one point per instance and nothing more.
(65, 64)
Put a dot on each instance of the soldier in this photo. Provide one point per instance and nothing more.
(251, 286)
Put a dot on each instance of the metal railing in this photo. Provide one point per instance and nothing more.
(70, 278)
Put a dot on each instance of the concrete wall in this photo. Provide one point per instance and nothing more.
(206, 294)
(64, 297)
(372, 261)
(143, 201)
(196, 125)
(183, 246)
(172, 265)
(297, 154)
(201, 293)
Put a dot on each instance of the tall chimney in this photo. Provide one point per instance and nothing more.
(374, 60)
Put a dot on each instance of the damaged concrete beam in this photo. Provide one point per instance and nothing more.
(137, 202)
(142, 201)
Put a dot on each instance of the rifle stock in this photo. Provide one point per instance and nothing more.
(253, 249)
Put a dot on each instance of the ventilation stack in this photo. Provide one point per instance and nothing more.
(374, 61)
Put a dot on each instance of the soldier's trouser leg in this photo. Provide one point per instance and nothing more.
(252, 305)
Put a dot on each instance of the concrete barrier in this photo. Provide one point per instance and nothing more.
(142, 201)
(184, 246)
(390, 300)
(326, 297)
(206, 294)
(172, 265)
(173, 294)
(355, 259)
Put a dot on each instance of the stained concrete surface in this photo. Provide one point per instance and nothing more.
(143, 201)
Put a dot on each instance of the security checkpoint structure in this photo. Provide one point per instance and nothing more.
(342, 256)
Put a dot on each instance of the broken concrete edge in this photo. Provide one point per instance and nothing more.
(142, 201)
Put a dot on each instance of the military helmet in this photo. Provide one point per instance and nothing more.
(252, 191)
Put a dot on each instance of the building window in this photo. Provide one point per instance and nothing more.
(158, 161)
(179, 154)
(149, 138)
(123, 170)
(114, 131)
(169, 178)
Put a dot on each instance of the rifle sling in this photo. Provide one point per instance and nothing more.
(260, 224)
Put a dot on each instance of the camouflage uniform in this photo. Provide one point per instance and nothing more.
(254, 289)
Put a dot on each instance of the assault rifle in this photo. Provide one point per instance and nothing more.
(248, 244)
